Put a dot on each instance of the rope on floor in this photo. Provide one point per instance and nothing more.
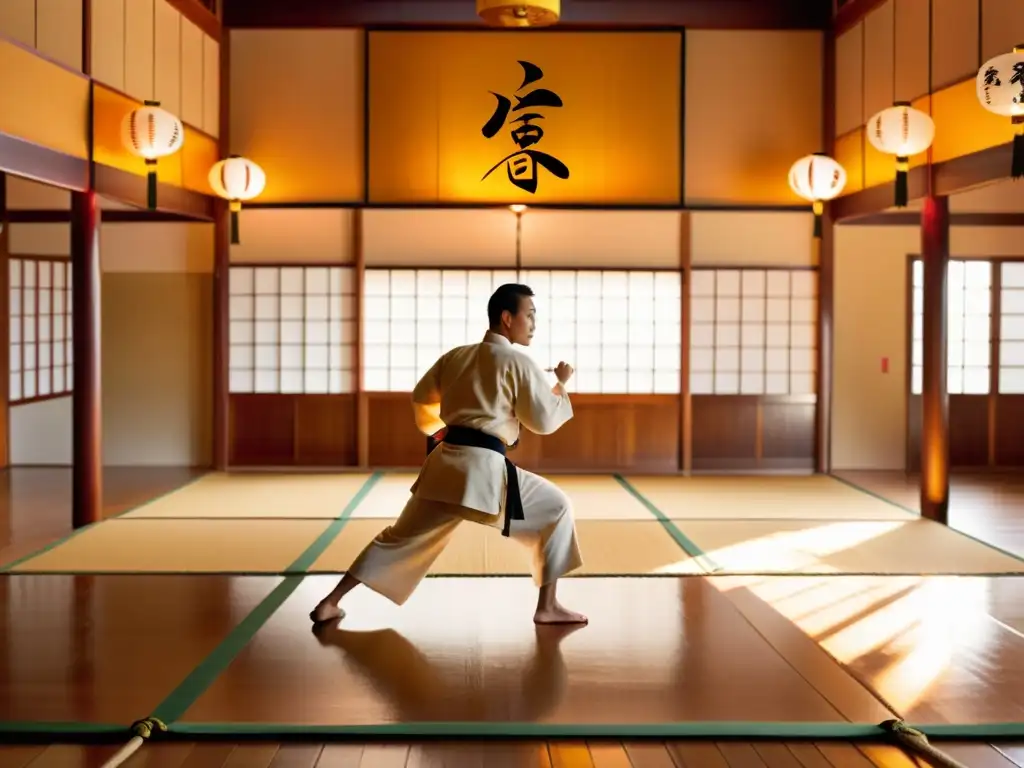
(913, 740)
(143, 729)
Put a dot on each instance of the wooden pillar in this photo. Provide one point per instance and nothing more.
(826, 272)
(5, 326)
(686, 398)
(826, 295)
(222, 277)
(934, 399)
(362, 403)
(87, 432)
(221, 302)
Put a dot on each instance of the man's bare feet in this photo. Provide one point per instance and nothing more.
(558, 614)
(326, 611)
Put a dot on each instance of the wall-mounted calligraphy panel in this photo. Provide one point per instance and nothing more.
(590, 118)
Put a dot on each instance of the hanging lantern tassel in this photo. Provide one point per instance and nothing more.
(150, 132)
(1017, 163)
(819, 208)
(236, 179)
(902, 193)
(151, 183)
(236, 207)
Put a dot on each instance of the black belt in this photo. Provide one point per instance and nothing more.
(474, 438)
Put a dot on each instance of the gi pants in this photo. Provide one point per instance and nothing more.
(395, 562)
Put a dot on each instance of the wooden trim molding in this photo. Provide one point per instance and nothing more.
(966, 171)
(576, 14)
(949, 177)
(200, 15)
(131, 189)
(61, 216)
(23, 158)
(468, 206)
(913, 219)
(852, 12)
(879, 198)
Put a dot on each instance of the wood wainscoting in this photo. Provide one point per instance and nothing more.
(292, 430)
(608, 433)
(984, 431)
(753, 432)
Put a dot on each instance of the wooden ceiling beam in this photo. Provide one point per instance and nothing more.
(697, 14)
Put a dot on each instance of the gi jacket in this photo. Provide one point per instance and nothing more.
(492, 387)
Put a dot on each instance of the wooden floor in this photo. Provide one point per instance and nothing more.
(611, 754)
(988, 506)
(826, 649)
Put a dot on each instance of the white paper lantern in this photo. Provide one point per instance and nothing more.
(150, 132)
(817, 178)
(902, 131)
(237, 179)
(1000, 89)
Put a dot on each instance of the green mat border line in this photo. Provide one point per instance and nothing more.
(550, 731)
(975, 539)
(685, 543)
(78, 531)
(60, 728)
(727, 729)
(206, 672)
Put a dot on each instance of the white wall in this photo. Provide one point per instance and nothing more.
(156, 346)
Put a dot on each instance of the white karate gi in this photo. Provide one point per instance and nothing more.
(492, 387)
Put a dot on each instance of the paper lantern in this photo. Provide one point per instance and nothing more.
(237, 179)
(902, 131)
(525, 13)
(1000, 89)
(817, 178)
(150, 132)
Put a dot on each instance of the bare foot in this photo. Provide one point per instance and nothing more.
(558, 614)
(326, 612)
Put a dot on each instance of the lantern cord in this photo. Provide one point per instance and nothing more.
(902, 196)
(1017, 163)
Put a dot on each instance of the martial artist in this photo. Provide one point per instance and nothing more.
(477, 396)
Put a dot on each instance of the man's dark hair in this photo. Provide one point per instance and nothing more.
(507, 297)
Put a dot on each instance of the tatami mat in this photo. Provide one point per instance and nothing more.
(180, 546)
(594, 497)
(233, 496)
(610, 547)
(883, 547)
(750, 498)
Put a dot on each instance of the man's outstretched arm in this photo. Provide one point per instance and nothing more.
(426, 401)
(540, 407)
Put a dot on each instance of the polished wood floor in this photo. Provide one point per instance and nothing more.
(611, 754)
(35, 502)
(109, 649)
(988, 506)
